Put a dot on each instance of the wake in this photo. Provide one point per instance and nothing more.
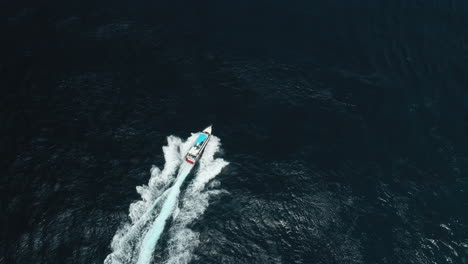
(136, 241)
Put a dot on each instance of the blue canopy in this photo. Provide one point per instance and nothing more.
(200, 139)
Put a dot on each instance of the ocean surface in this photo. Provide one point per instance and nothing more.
(340, 131)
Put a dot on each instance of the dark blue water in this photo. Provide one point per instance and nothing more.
(344, 123)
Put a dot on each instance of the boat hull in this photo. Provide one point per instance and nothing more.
(197, 149)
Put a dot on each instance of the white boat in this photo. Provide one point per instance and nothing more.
(197, 149)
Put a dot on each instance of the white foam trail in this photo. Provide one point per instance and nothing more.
(183, 240)
(147, 222)
(154, 233)
(128, 238)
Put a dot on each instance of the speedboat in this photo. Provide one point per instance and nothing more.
(197, 149)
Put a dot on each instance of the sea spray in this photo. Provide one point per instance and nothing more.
(152, 236)
(127, 239)
(183, 240)
(129, 244)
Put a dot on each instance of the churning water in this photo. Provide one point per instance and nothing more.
(136, 241)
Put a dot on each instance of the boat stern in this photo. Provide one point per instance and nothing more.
(190, 159)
